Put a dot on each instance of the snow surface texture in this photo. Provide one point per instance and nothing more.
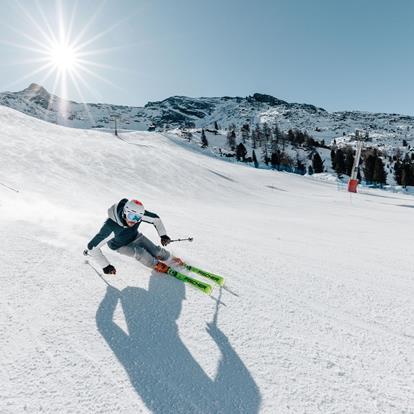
(321, 315)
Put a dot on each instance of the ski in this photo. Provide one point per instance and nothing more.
(215, 278)
(204, 287)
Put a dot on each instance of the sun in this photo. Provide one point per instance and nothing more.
(64, 47)
(63, 57)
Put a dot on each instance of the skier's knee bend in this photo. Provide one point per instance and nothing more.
(145, 257)
(163, 254)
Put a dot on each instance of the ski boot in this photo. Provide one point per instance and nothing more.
(161, 267)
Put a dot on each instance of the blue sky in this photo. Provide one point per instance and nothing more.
(334, 54)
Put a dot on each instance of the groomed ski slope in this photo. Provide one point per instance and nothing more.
(321, 318)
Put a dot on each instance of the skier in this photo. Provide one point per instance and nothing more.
(121, 229)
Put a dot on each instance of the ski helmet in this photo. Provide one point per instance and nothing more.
(134, 210)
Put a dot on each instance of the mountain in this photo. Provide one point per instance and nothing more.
(316, 316)
(203, 112)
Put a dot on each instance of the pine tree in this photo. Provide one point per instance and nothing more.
(265, 156)
(286, 162)
(339, 163)
(267, 133)
(317, 163)
(333, 158)
(380, 176)
(204, 142)
(231, 139)
(277, 134)
(349, 161)
(256, 164)
(253, 138)
(245, 133)
(283, 138)
(259, 136)
(300, 167)
(241, 152)
(274, 146)
(275, 159)
(291, 136)
(369, 166)
(309, 141)
(407, 177)
(398, 172)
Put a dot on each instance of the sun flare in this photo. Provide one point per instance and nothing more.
(61, 48)
(63, 57)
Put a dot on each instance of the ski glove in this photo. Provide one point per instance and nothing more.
(109, 270)
(165, 240)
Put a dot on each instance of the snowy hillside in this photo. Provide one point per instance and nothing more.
(317, 317)
(204, 112)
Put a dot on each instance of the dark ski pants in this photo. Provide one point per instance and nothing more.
(145, 251)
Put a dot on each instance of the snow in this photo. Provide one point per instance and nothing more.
(318, 317)
(386, 131)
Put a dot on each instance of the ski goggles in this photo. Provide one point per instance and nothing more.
(134, 217)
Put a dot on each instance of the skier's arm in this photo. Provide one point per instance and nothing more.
(113, 334)
(94, 246)
(154, 219)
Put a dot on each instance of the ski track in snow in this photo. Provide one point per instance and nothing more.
(321, 319)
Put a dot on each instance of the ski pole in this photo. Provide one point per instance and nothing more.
(190, 239)
(10, 188)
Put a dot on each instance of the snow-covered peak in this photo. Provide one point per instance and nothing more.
(35, 89)
(204, 112)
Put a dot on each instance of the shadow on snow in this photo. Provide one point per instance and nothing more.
(160, 367)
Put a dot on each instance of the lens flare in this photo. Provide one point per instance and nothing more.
(63, 57)
(50, 43)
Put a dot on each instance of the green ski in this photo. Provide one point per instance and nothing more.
(216, 278)
(204, 287)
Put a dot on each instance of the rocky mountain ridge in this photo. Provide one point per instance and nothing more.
(180, 111)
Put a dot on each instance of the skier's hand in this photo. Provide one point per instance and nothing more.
(86, 252)
(109, 270)
(165, 240)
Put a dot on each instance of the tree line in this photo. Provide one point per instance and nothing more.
(271, 145)
(373, 165)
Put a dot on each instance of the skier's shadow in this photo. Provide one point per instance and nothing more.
(160, 367)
